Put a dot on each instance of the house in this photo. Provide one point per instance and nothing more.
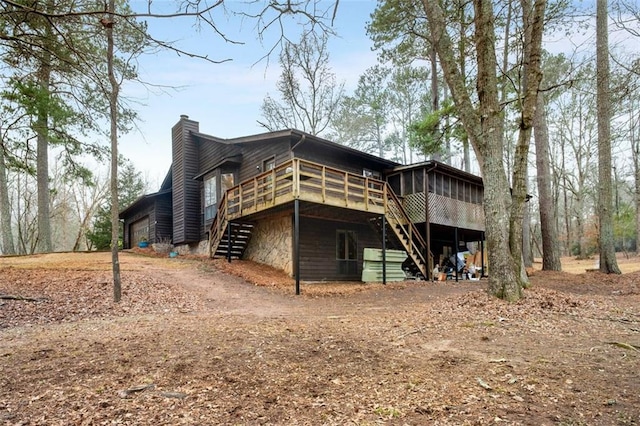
(305, 205)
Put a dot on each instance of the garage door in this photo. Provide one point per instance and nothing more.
(139, 230)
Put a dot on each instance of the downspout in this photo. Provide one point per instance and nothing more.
(295, 145)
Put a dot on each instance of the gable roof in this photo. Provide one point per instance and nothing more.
(303, 138)
(143, 200)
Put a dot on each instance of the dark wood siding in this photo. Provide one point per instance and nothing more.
(187, 216)
(254, 153)
(337, 159)
(145, 209)
(318, 248)
(212, 152)
(164, 222)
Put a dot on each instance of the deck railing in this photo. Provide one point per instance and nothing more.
(307, 181)
(317, 183)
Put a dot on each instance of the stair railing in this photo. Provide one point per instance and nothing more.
(219, 226)
(397, 215)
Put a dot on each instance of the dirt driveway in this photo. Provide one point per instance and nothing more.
(190, 344)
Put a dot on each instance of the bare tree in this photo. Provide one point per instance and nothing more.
(608, 262)
(7, 244)
(548, 229)
(635, 155)
(308, 88)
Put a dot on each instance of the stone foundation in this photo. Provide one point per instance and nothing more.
(200, 249)
(271, 243)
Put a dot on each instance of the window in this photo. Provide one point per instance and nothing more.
(210, 198)
(371, 174)
(347, 252)
(269, 164)
(226, 182)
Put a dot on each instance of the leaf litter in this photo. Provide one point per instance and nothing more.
(199, 342)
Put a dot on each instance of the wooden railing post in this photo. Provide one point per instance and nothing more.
(346, 189)
(273, 186)
(295, 165)
(366, 193)
(324, 183)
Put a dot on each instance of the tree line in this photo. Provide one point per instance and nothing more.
(557, 127)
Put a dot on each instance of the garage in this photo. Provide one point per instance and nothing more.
(139, 231)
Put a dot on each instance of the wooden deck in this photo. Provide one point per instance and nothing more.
(308, 181)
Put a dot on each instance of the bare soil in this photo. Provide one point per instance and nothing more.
(200, 342)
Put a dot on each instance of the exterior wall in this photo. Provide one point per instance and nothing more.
(271, 243)
(339, 160)
(163, 219)
(318, 248)
(186, 191)
(254, 153)
(212, 152)
(143, 211)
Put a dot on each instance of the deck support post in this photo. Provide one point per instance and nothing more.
(482, 274)
(296, 243)
(384, 250)
(229, 242)
(455, 251)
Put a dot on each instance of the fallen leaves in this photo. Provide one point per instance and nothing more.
(189, 346)
(48, 296)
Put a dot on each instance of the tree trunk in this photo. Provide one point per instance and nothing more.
(532, 17)
(435, 93)
(113, 115)
(462, 47)
(8, 247)
(527, 254)
(42, 160)
(608, 262)
(550, 246)
(485, 130)
(635, 144)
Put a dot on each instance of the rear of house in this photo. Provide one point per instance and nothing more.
(305, 205)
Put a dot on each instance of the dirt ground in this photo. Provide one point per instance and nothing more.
(199, 342)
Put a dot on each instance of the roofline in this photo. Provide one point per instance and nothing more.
(287, 133)
(439, 165)
(144, 198)
(169, 174)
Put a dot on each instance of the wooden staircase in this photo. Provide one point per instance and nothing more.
(404, 235)
(315, 183)
(228, 239)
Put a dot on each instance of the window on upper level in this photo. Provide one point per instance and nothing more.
(226, 182)
(371, 174)
(210, 198)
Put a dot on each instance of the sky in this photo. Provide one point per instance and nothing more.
(224, 98)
